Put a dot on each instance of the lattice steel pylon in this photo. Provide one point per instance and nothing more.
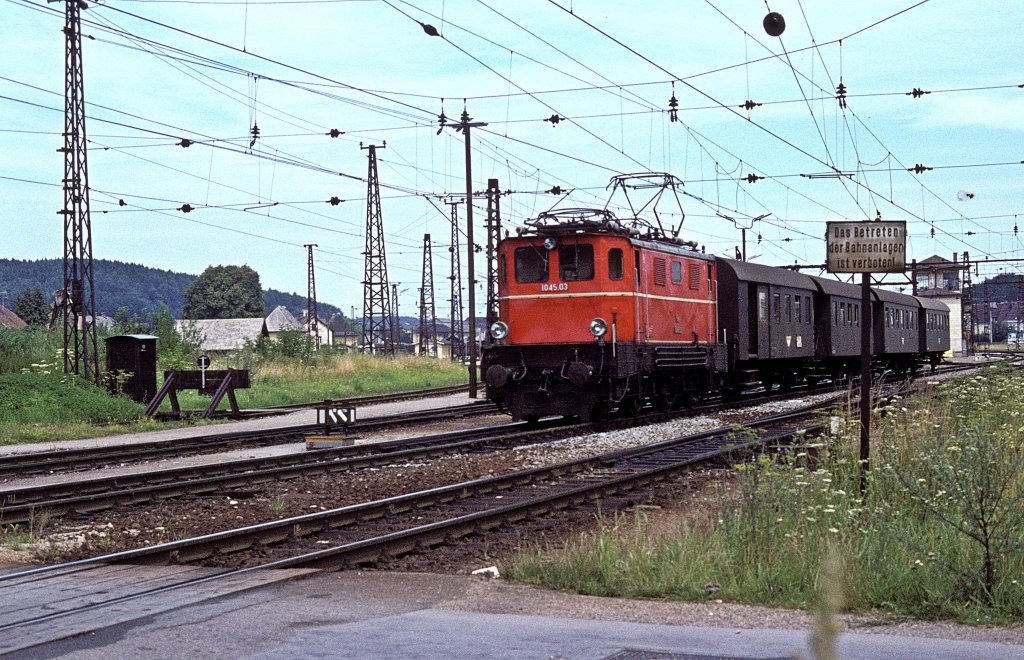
(428, 321)
(493, 236)
(378, 335)
(312, 318)
(81, 353)
(458, 333)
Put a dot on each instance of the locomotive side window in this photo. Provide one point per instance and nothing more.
(677, 272)
(502, 269)
(531, 265)
(576, 262)
(615, 264)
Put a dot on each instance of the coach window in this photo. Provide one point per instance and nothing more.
(777, 306)
(842, 313)
(789, 308)
(615, 264)
(835, 312)
(810, 310)
(531, 265)
(762, 306)
(576, 262)
(856, 315)
(798, 311)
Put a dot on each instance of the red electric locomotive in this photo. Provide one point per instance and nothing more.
(596, 315)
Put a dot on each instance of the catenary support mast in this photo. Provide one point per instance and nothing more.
(378, 334)
(81, 354)
(428, 322)
(458, 337)
(493, 236)
(312, 321)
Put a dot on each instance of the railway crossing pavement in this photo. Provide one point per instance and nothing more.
(392, 615)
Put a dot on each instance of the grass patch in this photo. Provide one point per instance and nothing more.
(324, 375)
(39, 403)
(940, 534)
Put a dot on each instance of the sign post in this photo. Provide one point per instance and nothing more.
(203, 361)
(866, 247)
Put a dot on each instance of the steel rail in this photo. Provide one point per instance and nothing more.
(64, 460)
(91, 495)
(698, 447)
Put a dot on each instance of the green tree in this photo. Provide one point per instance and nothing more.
(224, 292)
(31, 306)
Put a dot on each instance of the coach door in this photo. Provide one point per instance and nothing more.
(760, 334)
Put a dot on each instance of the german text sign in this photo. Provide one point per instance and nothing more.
(867, 247)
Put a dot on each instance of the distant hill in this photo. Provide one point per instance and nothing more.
(133, 286)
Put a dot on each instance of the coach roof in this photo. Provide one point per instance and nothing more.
(832, 287)
(757, 273)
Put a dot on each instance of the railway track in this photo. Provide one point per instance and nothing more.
(365, 533)
(90, 495)
(67, 460)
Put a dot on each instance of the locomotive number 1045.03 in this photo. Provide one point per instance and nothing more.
(561, 286)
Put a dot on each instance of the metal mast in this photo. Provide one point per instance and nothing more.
(311, 311)
(967, 307)
(396, 320)
(428, 322)
(456, 318)
(377, 331)
(81, 354)
(493, 236)
(465, 124)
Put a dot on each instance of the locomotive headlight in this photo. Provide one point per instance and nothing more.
(598, 327)
(499, 329)
(550, 243)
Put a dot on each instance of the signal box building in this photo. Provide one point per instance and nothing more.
(940, 279)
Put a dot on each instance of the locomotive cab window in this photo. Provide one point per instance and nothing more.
(615, 264)
(531, 265)
(576, 262)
